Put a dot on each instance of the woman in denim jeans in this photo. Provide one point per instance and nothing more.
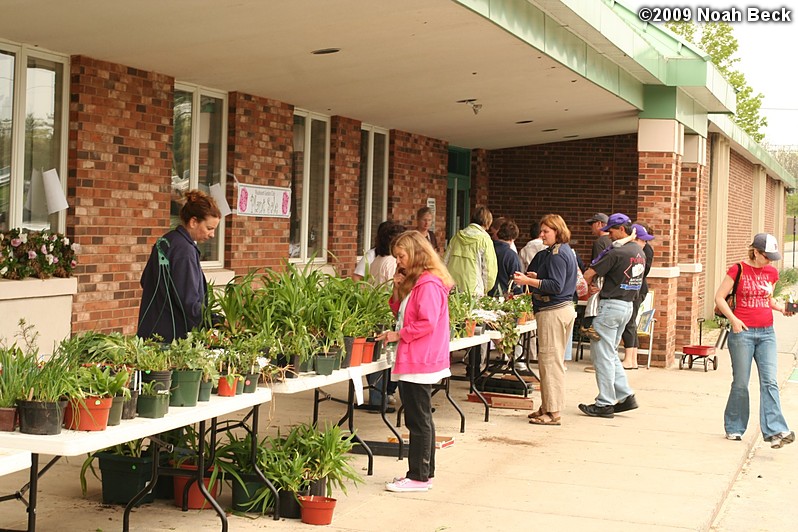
(752, 338)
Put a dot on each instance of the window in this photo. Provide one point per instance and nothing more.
(199, 148)
(33, 123)
(310, 178)
(373, 194)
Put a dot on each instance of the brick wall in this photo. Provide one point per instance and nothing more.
(417, 170)
(574, 179)
(344, 193)
(771, 190)
(259, 148)
(741, 197)
(119, 179)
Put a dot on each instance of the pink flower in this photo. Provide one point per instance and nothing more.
(16, 242)
(31, 254)
(44, 249)
(73, 263)
(55, 259)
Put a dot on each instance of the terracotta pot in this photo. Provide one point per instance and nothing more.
(227, 388)
(92, 415)
(8, 419)
(196, 501)
(317, 510)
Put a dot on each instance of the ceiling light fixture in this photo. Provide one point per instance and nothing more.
(326, 51)
(548, 130)
(472, 102)
(524, 121)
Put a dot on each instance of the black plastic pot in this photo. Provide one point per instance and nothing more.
(41, 418)
(124, 476)
(129, 406)
(162, 378)
(251, 382)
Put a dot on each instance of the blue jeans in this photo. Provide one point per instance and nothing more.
(609, 323)
(756, 344)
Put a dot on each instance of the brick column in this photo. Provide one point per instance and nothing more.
(417, 170)
(660, 147)
(259, 148)
(119, 184)
(344, 193)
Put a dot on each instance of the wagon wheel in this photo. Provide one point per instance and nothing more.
(706, 364)
(690, 361)
(681, 362)
(715, 362)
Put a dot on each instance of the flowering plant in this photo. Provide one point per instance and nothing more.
(35, 254)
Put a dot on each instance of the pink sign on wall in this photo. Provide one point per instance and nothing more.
(256, 200)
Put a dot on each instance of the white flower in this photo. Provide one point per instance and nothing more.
(66, 241)
(262, 362)
(4, 270)
(24, 238)
(49, 259)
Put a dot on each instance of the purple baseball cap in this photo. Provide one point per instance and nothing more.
(642, 234)
(616, 219)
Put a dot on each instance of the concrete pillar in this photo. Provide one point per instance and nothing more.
(718, 215)
(693, 223)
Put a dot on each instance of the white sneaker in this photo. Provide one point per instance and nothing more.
(407, 485)
(391, 400)
(734, 436)
(780, 440)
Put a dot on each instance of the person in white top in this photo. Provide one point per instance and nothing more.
(532, 247)
(366, 260)
(382, 270)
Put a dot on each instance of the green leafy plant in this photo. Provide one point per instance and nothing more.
(96, 381)
(134, 448)
(16, 365)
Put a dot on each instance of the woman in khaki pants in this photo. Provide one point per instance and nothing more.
(552, 277)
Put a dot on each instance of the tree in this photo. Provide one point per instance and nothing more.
(718, 41)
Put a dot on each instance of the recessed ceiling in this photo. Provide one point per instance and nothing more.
(401, 65)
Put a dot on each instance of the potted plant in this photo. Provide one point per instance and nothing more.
(153, 401)
(126, 468)
(42, 409)
(97, 387)
(187, 494)
(186, 356)
(15, 366)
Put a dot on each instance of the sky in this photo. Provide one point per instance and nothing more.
(765, 51)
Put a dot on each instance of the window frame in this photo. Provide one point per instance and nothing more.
(368, 238)
(303, 257)
(197, 92)
(19, 101)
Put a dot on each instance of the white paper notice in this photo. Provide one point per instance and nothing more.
(221, 201)
(54, 192)
(356, 374)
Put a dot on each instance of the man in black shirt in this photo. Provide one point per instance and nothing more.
(622, 268)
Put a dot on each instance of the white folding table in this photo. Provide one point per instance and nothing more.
(73, 443)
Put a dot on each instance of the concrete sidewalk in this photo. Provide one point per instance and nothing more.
(665, 466)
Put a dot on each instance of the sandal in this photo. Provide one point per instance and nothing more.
(546, 419)
(537, 413)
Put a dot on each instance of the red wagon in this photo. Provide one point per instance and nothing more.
(700, 353)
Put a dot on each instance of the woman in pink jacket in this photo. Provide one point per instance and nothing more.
(420, 302)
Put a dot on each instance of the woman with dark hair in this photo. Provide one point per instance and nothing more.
(383, 269)
(174, 287)
(642, 236)
(420, 301)
(507, 260)
(552, 277)
(753, 339)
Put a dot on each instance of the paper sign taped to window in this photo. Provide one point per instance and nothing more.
(256, 200)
